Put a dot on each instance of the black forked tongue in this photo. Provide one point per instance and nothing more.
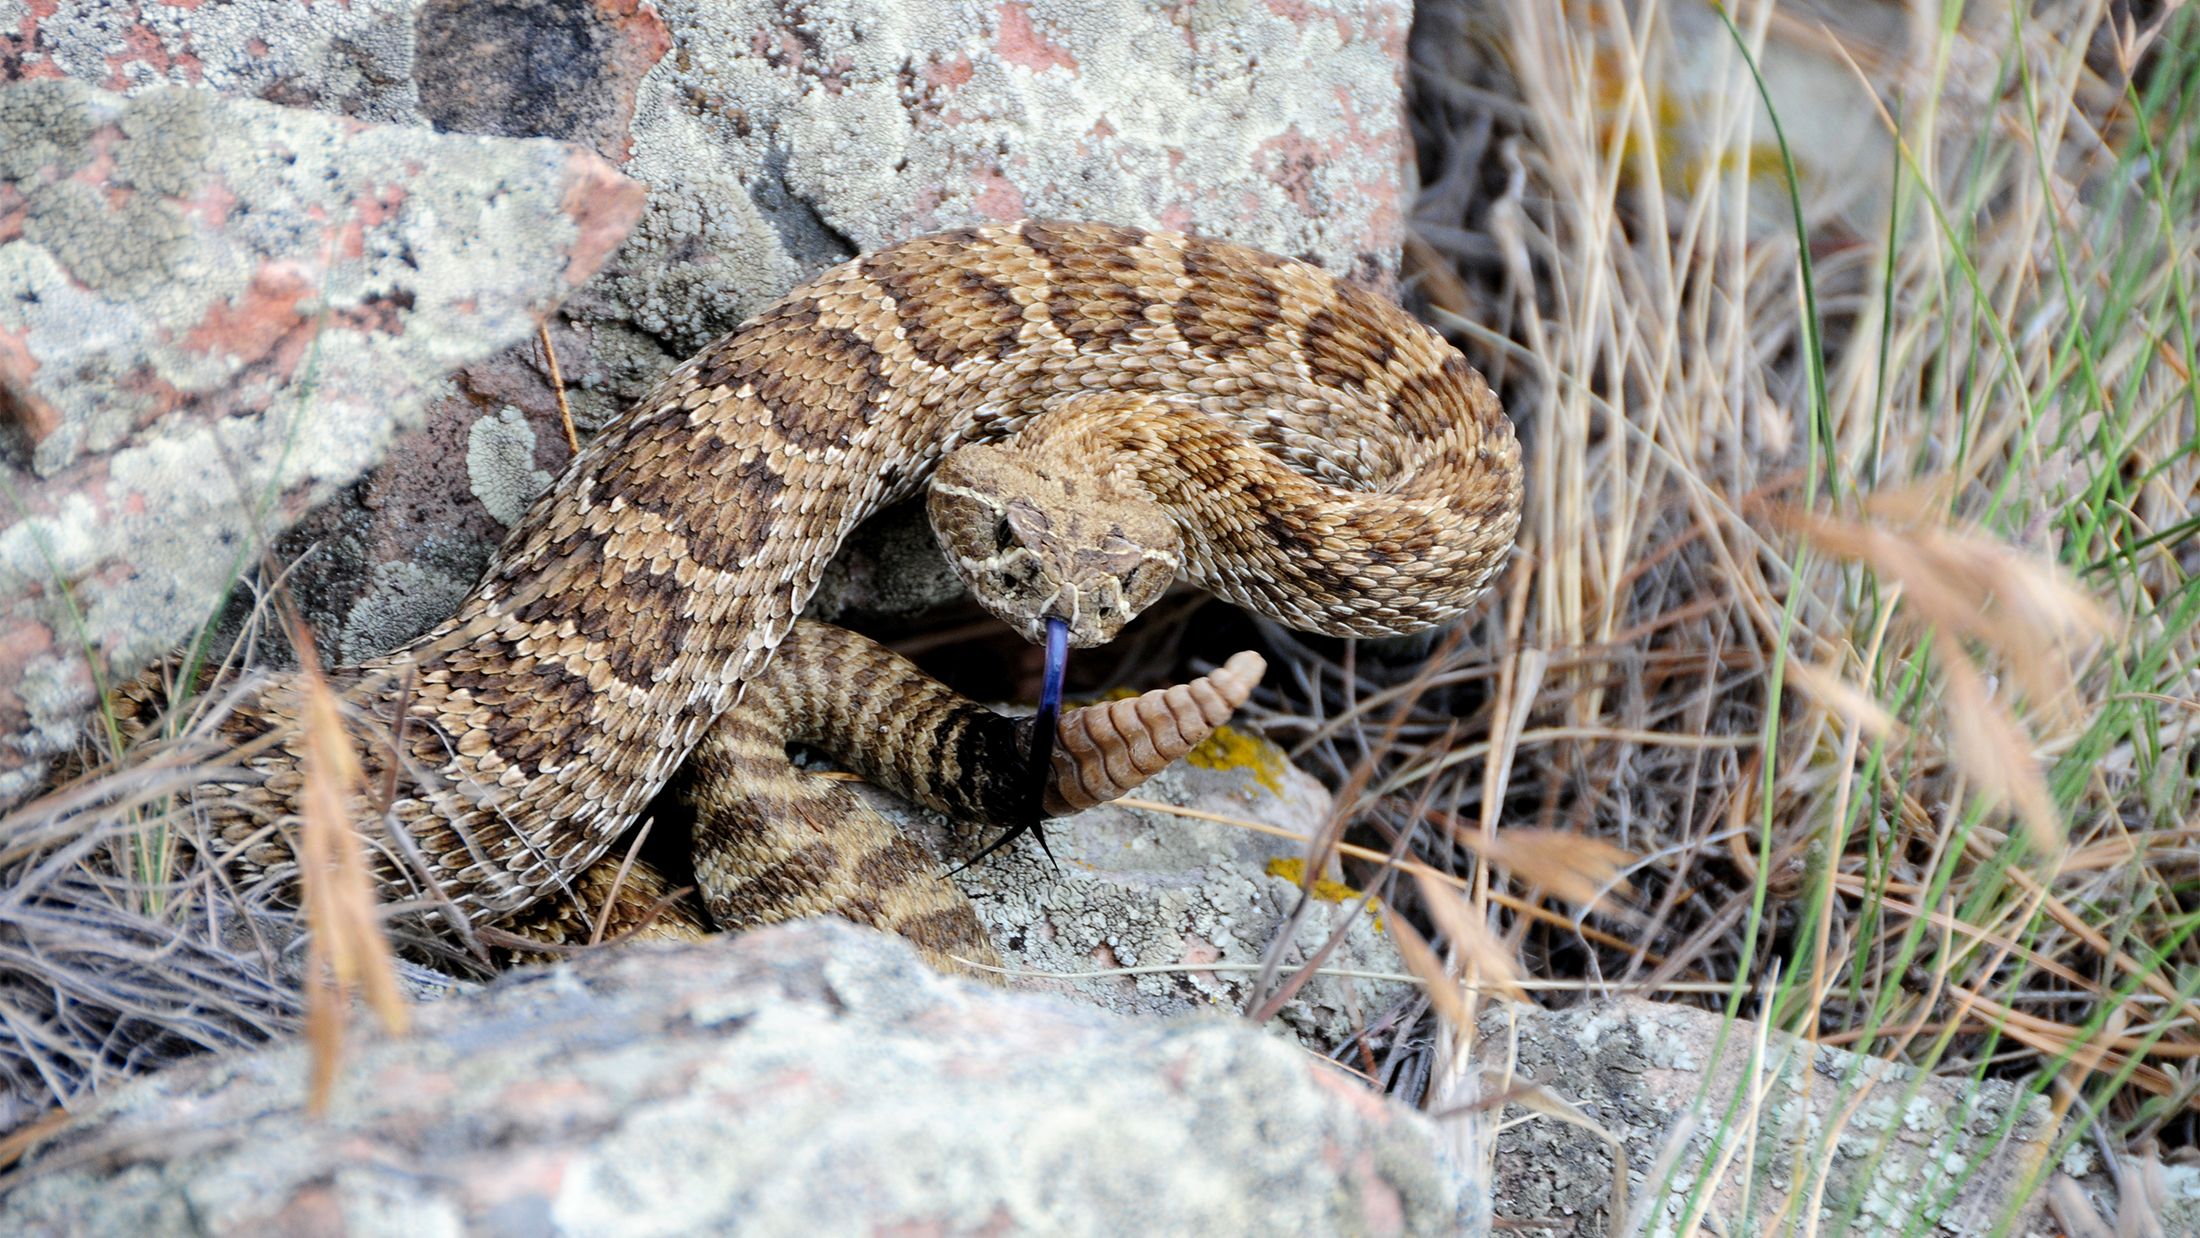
(1041, 756)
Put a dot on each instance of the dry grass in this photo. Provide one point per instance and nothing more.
(118, 955)
(107, 970)
(346, 949)
(1927, 482)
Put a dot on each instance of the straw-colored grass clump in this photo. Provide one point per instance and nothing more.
(1908, 451)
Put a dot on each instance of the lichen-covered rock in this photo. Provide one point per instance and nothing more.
(508, 68)
(777, 139)
(1897, 1144)
(812, 1079)
(500, 464)
(215, 313)
(536, 68)
(1131, 887)
(354, 59)
(393, 555)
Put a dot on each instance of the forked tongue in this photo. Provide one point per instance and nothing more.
(1042, 730)
(1042, 747)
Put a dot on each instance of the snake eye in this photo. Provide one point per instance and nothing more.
(1003, 536)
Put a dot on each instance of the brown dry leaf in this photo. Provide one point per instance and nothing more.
(1571, 867)
(1443, 991)
(348, 949)
(1981, 584)
(1551, 1105)
(1480, 953)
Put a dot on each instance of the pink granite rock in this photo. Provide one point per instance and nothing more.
(352, 59)
(776, 137)
(807, 1079)
(216, 313)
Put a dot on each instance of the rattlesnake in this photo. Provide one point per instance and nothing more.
(1181, 407)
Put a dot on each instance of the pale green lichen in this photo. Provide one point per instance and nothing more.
(407, 598)
(427, 251)
(123, 241)
(45, 126)
(500, 464)
(170, 133)
(354, 59)
(121, 246)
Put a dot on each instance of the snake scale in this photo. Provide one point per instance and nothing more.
(1114, 408)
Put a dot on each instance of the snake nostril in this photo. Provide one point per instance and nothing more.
(1003, 536)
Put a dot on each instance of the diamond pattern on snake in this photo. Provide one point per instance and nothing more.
(1092, 412)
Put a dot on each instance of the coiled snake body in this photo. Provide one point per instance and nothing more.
(1313, 454)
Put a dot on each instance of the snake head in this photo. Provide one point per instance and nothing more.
(1036, 540)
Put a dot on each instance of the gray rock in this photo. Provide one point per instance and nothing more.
(1141, 887)
(1907, 1144)
(815, 1079)
(508, 68)
(215, 313)
(1138, 887)
(353, 59)
(890, 570)
(536, 68)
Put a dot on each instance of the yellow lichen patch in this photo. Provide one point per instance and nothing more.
(1230, 748)
(1294, 871)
